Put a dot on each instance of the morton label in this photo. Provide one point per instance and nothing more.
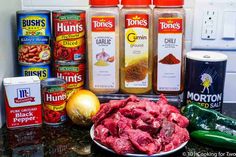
(205, 83)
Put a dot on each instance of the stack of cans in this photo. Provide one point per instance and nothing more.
(69, 47)
(34, 35)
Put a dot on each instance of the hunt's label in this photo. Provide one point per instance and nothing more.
(74, 75)
(23, 101)
(136, 50)
(169, 48)
(205, 83)
(104, 51)
(69, 33)
(54, 98)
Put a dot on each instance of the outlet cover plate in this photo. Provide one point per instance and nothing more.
(209, 33)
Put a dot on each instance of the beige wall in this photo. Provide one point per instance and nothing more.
(7, 44)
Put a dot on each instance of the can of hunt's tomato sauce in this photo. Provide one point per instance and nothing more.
(54, 101)
(69, 35)
(205, 77)
(34, 35)
(73, 73)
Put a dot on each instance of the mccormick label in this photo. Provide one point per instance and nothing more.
(34, 33)
(103, 51)
(54, 98)
(205, 83)
(42, 71)
(74, 75)
(23, 101)
(136, 50)
(69, 34)
(170, 40)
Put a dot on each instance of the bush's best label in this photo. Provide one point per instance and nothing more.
(34, 34)
(136, 50)
(103, 51)
(170, 37)
(69, 34)
(42, 71)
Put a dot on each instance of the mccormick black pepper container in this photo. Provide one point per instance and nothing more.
(205, 78)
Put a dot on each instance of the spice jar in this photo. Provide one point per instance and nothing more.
(136, 46)
(103, 46)
(169, 19)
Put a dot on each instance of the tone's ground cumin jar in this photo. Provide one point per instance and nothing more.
(205, 77)
(136, 46)
(169, 28)
(103, 46)
(54, 101)
(69, 35)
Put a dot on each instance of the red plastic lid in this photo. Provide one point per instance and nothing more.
(104, 2)
(136, 2)
(168, 2)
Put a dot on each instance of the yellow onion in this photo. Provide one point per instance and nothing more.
(81, 106)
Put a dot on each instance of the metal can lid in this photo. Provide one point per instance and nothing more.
(68, 11)
(33, 11)
(206, 56)
(50, 82)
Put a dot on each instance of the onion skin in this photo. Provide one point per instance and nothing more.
(82, 106)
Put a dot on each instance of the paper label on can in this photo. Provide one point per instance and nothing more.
(104, 52)
(169, 48)
(42, 71)
(205, 83)
(136, 50)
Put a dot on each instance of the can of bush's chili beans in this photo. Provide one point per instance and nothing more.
(54, 101)
(69, 35)
(205, 77)
(73, 73)
(43, 71)
(34, 35)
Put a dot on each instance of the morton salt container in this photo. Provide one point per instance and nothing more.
(136, 46)
(103, 46)
(169, 19)
(205, 77)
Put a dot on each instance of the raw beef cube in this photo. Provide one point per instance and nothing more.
(166, 132)
(178, 119)
(152, 129)
(111, 123)
(101, 133)
(162, 101)
(124, 124)
(143, 141)
(168, 109)
(153, 109)
(102, 113)
(120, 145)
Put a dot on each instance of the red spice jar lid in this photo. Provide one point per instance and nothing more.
(168, 2)
(104, 2)
(136, 2)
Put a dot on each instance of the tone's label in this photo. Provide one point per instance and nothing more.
(103, 51)
(136, 50)
(170, 37)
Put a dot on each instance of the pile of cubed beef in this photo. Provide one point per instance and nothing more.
(136, 125)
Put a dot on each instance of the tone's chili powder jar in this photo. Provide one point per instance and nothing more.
(103, 46)
(169, 19)
(136, 46)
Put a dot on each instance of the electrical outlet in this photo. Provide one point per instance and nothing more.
(209, 24)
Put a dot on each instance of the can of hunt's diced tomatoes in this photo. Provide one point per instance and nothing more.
(69, 35)
(54, 101)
